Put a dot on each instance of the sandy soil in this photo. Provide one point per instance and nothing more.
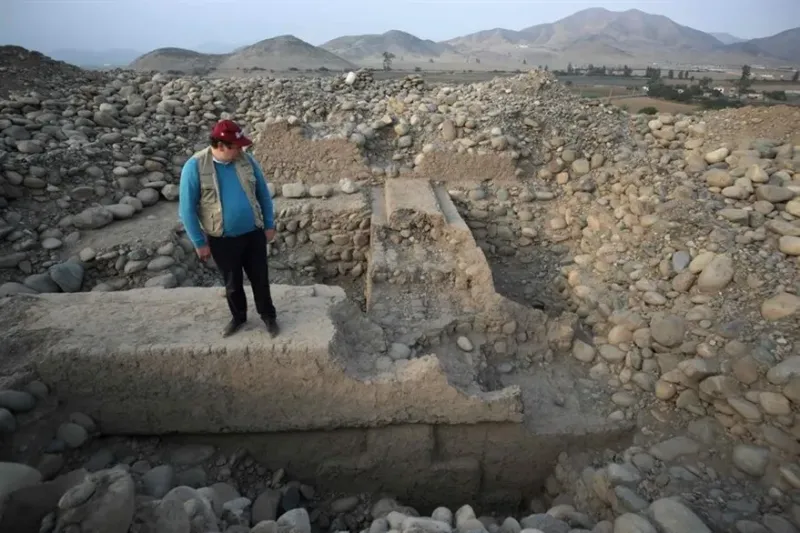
(636, 103)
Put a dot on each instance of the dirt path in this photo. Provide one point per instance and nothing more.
(153, 224)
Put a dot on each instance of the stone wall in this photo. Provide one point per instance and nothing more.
(321, 232)
(492, 465)
(685, 338)
(323, 229)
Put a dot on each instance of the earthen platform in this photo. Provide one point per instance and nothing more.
(152, 361)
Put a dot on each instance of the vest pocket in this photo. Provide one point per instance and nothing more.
(210, 210)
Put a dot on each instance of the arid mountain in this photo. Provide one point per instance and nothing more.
(177, 59)
(278, 53)
(630, 30)
(727, 38)
(593, 35)
(284, 52)
(399, 43)
(784, 45)
(601, 36)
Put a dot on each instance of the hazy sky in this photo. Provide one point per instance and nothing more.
(147, 24)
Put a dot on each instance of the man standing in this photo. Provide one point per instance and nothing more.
(227, 211)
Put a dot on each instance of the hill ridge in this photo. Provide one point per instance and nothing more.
(594, 35)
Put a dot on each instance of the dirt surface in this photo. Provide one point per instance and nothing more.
(663, 106)
(153, 224)
(466, 167)
(288, 156)
(740, 126)
(192, 369)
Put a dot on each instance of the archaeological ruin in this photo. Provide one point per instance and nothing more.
(504, 308)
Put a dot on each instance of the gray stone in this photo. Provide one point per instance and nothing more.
(121, 211)
(17, 401)
(668, 330)
(265, 507)
(15, 476)
(673, 448)
(42, 283)
(266, 526)
(72, 434)
(294, 521)
(12, 260)
(751, 460)
(198, 508)
(8, 424)
(545, 522)
(147, 196)
(778, 524)
(629, 500)
(671, 516)
(321, 190)
(85, 421)
(716, 275)
(632, 523)
(93, 218)
(157, 482)
(68, 276)
(103, 502)
(293, 190)
(12, 287)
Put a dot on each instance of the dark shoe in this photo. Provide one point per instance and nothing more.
(232, 327)
(272, 326)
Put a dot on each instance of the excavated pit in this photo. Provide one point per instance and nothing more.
(407, 431)
(332, 400)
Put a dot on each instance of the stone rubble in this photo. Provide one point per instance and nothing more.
(667, 247)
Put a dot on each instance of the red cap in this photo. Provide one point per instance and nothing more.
(230, 132)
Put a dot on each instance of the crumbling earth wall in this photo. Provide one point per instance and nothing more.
(149, 361)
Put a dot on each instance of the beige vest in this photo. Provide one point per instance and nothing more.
(209, 209)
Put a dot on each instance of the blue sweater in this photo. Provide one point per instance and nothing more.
(237, 216)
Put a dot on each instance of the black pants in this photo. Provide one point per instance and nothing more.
(246, 253)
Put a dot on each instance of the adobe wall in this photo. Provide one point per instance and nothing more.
(288, 155)
(492, 464)
(149, 361)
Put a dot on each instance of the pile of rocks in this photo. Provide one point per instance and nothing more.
(397, 122)
(677, 261)
(26, 70)
(359, 79)
(134, 496)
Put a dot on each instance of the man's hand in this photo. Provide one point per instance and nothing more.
(204, 252)
(270, 234)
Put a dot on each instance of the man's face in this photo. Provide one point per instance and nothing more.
(227, 152)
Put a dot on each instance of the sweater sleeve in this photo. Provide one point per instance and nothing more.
(262, 192)
(189, 196)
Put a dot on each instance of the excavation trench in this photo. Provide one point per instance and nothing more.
(319, 401)
(396, 392)
(495, 467)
